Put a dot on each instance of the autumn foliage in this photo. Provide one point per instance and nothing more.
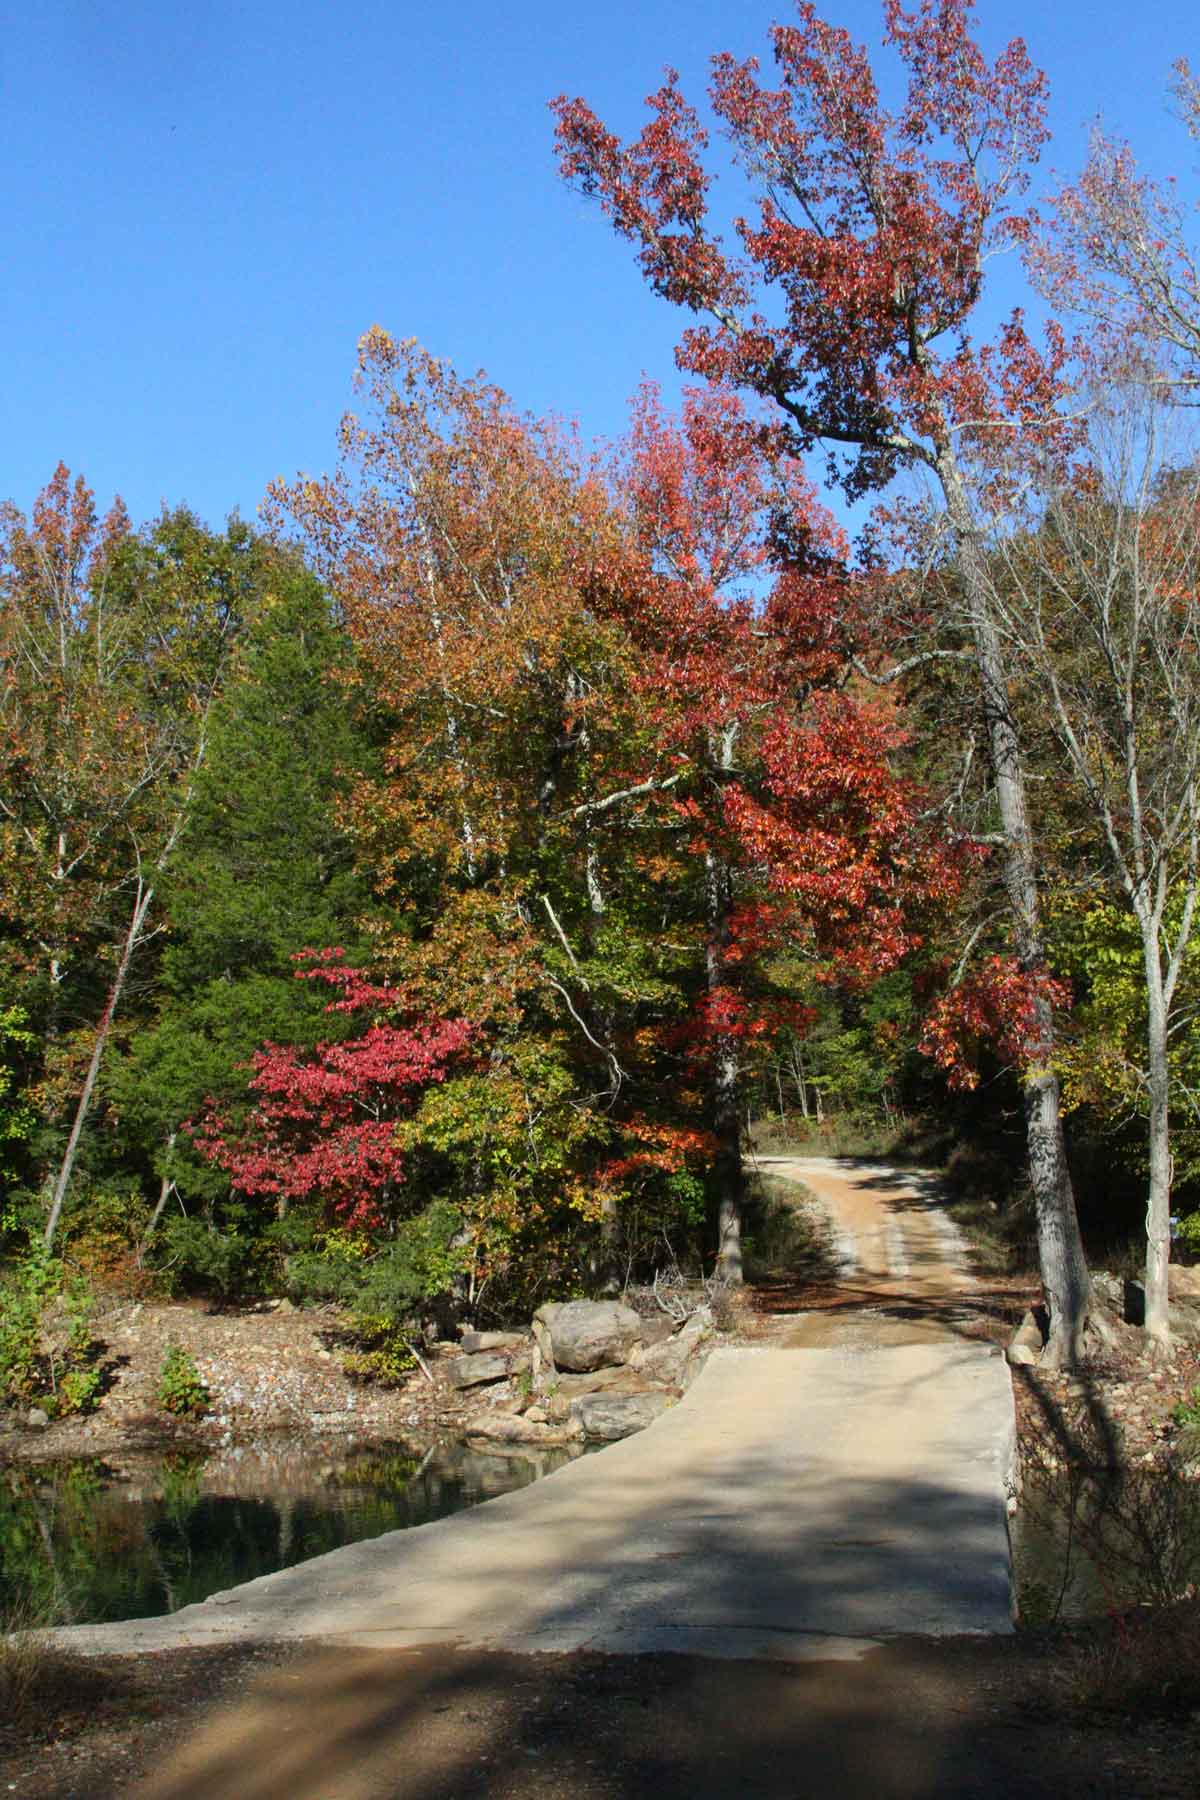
(323, 1123)
(609, 786)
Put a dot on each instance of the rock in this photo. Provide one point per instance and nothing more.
(587, 1334)
(669, 1361)
(658, 1328)
(474, 1341)
(572, 1386)
(543, 1356)
(607, 1417)
(36, 1419)
(537, 1415)
(1110, 1289)
(1025, 1346)
(510, 1428)
(1183, 1283)
(473, 1371)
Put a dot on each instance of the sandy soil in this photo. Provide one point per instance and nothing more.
(969, 1717)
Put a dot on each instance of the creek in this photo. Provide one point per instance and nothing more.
(1091, 1542)
(83, 1542)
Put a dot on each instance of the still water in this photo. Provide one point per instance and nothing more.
(81, 1542)
(1089, 1542)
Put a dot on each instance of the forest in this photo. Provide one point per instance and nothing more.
(425, 896)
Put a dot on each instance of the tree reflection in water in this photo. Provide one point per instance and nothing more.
(80, 1543)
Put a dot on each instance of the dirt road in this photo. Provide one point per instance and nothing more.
(903, 1277)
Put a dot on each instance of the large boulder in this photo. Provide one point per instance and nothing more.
(607, 1417)
(511, 1428)
(581, 1335)
(474, 1371)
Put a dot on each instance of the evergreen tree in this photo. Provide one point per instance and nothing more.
(264, 871)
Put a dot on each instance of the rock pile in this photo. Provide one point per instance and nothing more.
(588, 1370)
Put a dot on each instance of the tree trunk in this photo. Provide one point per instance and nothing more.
(1158, 1199)
(1060, 1247)
(728, 1175)
(141, 907)
(166, 1188)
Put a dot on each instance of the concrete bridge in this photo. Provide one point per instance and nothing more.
(840, 1485)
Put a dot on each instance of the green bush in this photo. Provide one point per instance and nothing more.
(47, 1353)
(24, 1296)
(229, 1259)
(1188, 1234)
(389, 1289)
(182, 1390)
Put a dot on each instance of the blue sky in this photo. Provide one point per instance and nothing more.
(205, 205)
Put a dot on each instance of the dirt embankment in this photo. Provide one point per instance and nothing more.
(272, 1371)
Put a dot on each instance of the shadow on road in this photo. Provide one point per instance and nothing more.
(914, 1719)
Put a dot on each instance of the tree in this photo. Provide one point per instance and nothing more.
(462, 543)
(263, 869)
(615, 775)
(1116, 248)
(323, 1124)
(1100, 605)
(112, 646)
(788, 794)
(848, 311)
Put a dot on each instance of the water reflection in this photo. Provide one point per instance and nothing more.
(83, 1542)
(1088, 1541)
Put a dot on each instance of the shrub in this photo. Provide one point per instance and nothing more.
(1188, 1233)
(1187, 1412)
(387, 1290)
(229, 1260)
(182, 1390)
(47, 1353)
(102, 1230)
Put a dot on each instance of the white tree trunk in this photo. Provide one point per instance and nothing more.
(1060, 1247)
(1158, 1199)
(141, 906)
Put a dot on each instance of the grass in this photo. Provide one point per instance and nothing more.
(1140, 1664)
(787, 1235)
(36, 1677)
(841, 1134)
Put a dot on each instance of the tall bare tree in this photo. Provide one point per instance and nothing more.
(1100, 606)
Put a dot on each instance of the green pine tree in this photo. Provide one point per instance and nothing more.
(265, 870)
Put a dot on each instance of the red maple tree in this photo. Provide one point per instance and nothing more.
(782, 780)
(847, 305)
(323, 1124)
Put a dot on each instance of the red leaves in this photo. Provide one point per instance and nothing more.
(323, 1125)
(655, 191)
(870, 239)
(998, 1004)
